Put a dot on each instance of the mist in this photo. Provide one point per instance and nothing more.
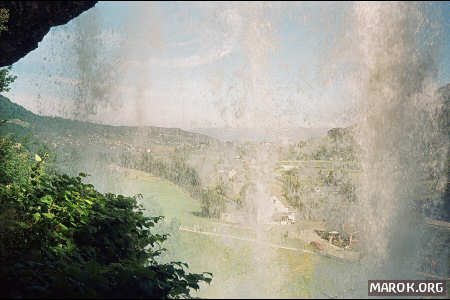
(328, 115)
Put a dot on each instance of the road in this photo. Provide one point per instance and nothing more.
(253, 241)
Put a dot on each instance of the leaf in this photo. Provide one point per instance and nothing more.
(48, 215)
(87, 201)
(62, 227)
(37, 158)
(47, 199)
(36, 217)
(23, 225)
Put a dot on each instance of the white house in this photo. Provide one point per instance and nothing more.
(282, 213)
(277, 205)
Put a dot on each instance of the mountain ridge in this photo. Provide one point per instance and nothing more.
(23, 121)
(262, 134)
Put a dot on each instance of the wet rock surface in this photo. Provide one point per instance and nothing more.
(30, 21)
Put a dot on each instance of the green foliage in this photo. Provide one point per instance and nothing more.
(4, 17)
(295, 189)
(213, 201)
(323, 153)
(176, 170)
(6, 79)
(10, 110)
(59, 237)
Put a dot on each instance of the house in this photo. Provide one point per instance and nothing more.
(288, 167)
(284, 217)
(281, 212)
(277, 205)
(231, 174)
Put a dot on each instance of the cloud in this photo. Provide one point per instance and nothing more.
(218, 44)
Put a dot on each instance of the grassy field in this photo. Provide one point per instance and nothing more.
(240, 268)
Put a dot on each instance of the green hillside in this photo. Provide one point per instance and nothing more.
(78, 133)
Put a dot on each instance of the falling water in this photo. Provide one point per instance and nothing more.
(388, 53)
(399, 136)
(393, 51)
(401, 142)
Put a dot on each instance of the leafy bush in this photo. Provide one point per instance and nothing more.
(59, 237)
(6, 79)
(4, 17)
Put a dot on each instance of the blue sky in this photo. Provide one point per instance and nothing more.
(188, 65)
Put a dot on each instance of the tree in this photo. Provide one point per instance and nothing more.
(6, 79)
(59, 237)
(213, 200)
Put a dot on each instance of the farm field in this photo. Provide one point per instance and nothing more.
(238, 256)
